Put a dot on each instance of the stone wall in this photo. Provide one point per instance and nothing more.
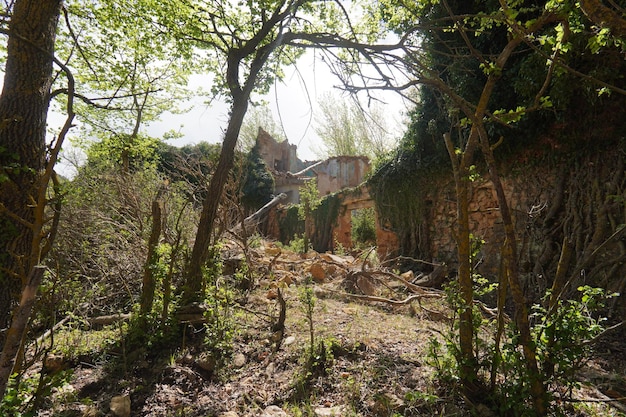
(278, 156)
(340, 172)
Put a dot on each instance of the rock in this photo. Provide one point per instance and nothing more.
(272, 250)
(270, 369)
(274, 411)
(320, 292)
(120, 405)
(239, 360)
(193, 308)
(287, 280)
(89, 411)
(229, 414)
(54, 363)
(366, 286)
(484, 411)
(317, 272)
(328, 411)
(408, 275)
(341, 260)
(192, 313)
(289, 340)
(206, 362)
(231, 265)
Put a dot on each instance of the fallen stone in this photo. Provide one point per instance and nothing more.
(120, 405)
(329, 411)
(408, 275)
(289, 340)
(270, 369)
(317, 272)
(320, 292)
(239, 360)
(272, 250)
(229, 414)
(206, 362)
(366, 286)
(341, 260)
(287, 280)
(274, 411)
(54, 363)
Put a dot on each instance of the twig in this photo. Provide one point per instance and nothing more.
(48, 332)
(602, 333)
(388, 300)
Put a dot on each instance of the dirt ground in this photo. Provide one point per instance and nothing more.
(375, 361)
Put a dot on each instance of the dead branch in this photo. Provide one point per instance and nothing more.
(388, 300)
(48, 332)
(108, 319)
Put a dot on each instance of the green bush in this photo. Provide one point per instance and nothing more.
(363, 227)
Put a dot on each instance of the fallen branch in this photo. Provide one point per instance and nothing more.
(255, 218)
(48, 332)
(388, 300)
(411, 287)
(604, 332)
(110, 319)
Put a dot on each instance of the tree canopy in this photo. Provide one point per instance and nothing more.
(487, 79)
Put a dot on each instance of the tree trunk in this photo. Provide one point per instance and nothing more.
(604, 16)
(23, 112)
(149, 280)
(193, 290)
(460, 169)
(510, 254)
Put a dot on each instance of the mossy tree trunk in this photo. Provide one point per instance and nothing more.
(23, 112)
(149, 279)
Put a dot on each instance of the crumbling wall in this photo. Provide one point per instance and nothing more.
(357, 199)
(340, 172)
(279, 156)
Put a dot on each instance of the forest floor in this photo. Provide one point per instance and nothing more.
(377, 358)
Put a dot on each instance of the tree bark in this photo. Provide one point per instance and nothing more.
(260, 52)
(23, 113)
(194, 288)
(149, 280)
(604, 16)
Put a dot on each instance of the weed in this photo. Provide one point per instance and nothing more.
(25, 394)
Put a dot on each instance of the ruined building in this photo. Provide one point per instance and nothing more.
(334, 176)
(290, 173)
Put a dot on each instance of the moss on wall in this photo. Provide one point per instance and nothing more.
(324, 219)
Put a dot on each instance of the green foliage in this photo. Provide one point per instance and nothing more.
(401, 189)
(131, 71)
(568, 329)
(364, 227)
(220, 326)
(444, 50)
(562, 336)
(324, 219)
(25, 395)
(139, 152)
(296, 244)
(307, 301)
(317, 361)
(309, 199)
(258, 183)
(346, 128)
(290, 225)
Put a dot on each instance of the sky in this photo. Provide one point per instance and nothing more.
(293, 102)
